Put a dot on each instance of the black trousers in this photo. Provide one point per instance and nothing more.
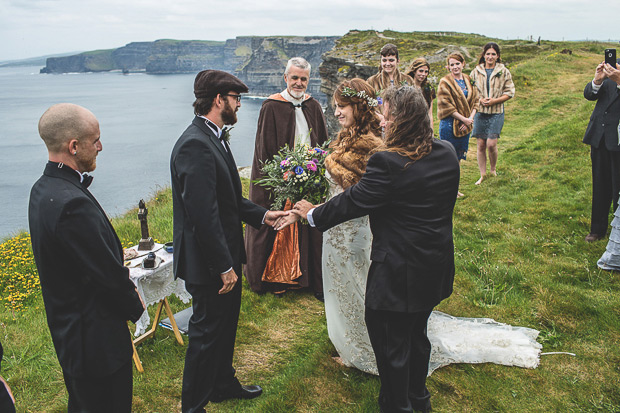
(212, 331)
(605, 186)
(403, 351)
(101, 394)
(6, 401)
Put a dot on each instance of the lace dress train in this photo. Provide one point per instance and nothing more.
(346, 260)
(610, 260)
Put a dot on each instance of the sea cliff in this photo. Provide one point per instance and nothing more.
(258, 61)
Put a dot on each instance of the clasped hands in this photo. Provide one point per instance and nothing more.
(300, 210)
(487, 101)
(465, 122)
(278, 220)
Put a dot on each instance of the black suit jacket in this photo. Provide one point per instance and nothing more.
(208, 207)
(410, 210)
(603, 126)
(86, 289)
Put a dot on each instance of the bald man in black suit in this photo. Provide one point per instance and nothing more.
(86, 289)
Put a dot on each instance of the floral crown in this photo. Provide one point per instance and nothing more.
(352, 93)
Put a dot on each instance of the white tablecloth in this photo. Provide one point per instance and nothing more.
(155, 284)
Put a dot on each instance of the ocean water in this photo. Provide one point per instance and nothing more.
(140, 117)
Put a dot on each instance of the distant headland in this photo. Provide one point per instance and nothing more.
(258, 61)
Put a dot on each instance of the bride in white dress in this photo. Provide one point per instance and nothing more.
(346, 260)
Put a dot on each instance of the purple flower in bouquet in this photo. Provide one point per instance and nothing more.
(296, 173)
(311, 166)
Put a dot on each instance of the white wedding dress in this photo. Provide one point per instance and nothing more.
(346, 260)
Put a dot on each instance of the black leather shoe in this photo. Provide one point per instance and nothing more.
(244, 392)
(591, 237)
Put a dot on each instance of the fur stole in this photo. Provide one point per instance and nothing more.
(347, 161)
(381, 81)
(450, 99)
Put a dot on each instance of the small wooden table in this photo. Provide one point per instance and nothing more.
(150, 333)
(154, 286)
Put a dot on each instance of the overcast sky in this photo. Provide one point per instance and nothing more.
(31, 28)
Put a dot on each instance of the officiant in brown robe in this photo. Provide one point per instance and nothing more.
(287, 118)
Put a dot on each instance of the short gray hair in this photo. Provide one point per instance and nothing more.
(299, 62)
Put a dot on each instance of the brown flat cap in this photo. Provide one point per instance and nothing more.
(209, 83)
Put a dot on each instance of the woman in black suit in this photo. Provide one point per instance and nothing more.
(409, 191)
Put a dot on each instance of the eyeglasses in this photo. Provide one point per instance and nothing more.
(237, 97)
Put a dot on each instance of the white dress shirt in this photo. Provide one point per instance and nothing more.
(302, 131)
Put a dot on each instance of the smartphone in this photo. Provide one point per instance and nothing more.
(610, 57)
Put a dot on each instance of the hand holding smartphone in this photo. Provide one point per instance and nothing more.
(612, 71)
(610, 57)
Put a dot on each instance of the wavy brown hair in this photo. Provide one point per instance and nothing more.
(410, 133)
(365, 116)
(490, 45)
(415, 65)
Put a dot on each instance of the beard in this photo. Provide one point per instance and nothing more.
(87, 165)
(229, 115)
(296, 95)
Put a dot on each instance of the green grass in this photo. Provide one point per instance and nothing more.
(174, 42)
(520, 259)
(365, 46)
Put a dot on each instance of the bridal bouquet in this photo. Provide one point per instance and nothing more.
(296, 174)
(293, 174)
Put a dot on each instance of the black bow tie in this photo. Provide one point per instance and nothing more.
(224, 133)
(86, 180)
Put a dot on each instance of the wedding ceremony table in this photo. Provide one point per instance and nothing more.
(154, 286)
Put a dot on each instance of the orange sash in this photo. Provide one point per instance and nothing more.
(283, 263)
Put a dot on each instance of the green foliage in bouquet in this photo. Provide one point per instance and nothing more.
(296, 174)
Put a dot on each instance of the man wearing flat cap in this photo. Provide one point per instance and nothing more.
(208, 208)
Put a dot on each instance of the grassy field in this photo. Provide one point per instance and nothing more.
(521, 259)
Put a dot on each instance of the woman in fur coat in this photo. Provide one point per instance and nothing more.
(419, 70)
(494, 83)
(457, 104)
(346, 247)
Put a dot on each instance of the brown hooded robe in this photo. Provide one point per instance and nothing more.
(276, 128)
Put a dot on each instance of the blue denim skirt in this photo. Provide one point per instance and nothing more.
(488, 126)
